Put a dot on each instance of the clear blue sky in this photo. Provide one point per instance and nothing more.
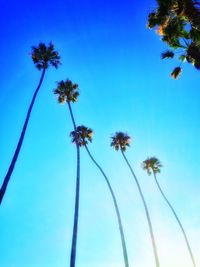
(124, 86)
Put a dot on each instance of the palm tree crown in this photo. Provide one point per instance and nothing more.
(120, 141)
(67, 91)
(43, 56)
(178, 24)
(151, 165)
(82, 135)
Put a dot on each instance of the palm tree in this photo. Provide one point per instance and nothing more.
(120, 141)
(43, 56)
(178, 24)
(81, 136)
(153, 165)
(68, 92)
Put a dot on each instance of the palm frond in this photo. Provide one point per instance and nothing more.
(182, 58)
(176, 73)
(167, 54)
(193, 54)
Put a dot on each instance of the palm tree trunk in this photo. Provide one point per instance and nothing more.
(146, 211)
(72, 116)
(178, 220)
(20, 142)
(76, 210)
(116, 209)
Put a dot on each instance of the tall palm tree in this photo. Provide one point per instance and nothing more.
(153, 165)
(81, 136)
(43, 56)
(68, 92)
(120, 141)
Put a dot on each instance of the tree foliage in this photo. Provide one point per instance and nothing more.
(178, 24)
(151, 165)
(120, 141)
(82, 135)
(43, 56)
(66, 91)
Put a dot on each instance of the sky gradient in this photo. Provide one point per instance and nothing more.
(124, 86)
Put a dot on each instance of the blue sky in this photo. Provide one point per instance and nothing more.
(124, 86)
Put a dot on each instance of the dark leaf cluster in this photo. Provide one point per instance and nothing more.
(151, 165)
(178, 24)
(82, 135)
(43, 56)
(66, 91)
(120, 141)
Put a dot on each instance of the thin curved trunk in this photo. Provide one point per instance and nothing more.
(20, 142)
(72, 116)
(76, 210)
(178, 220)
(146, 211)
(116, 209)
